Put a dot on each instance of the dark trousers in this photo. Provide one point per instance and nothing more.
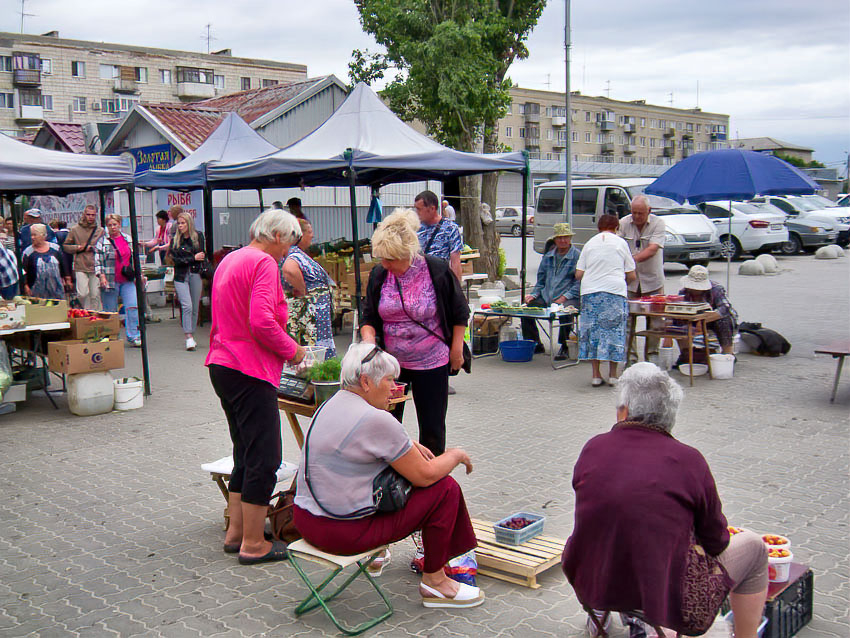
(438, 510)
(431, 398)
(250, 406)
(529, 325)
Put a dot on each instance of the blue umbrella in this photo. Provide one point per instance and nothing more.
(730, 173)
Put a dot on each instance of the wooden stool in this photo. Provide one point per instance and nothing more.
(303, 549)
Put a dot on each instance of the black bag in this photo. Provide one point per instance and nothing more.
(128, 272)
(390, 490)
(764, 341)
(206, 270)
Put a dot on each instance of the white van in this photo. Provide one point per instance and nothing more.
(691, 237)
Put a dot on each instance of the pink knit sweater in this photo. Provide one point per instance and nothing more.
(249, 316)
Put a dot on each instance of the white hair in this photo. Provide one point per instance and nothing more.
(650, 395)
(378, 367)
(274, 221)
(38, 229)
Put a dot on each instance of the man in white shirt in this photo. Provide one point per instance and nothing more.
(448, 211)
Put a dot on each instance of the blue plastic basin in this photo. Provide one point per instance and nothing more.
(517, 351)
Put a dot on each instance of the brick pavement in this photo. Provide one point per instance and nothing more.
(111, 529)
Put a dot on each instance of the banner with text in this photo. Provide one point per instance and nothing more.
(192, 203)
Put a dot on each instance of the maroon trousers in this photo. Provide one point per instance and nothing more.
(438, 510)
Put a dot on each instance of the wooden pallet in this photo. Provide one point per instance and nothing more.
(518, 564)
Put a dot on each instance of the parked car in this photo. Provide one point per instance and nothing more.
(843, 200)
(803, 234)
(802, 207)
(753, 230)
(820, 200)
(509, 220)
(691, 237)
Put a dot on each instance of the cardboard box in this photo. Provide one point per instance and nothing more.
(466, 268)
(105, 324)
(365, 269)
(75, 357)
(38, 312)
(12, 315)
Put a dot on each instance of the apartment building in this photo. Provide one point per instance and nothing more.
(603, 130)
(45, 77)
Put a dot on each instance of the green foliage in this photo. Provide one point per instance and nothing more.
(503, 263)
(328, 370)
(796, 161)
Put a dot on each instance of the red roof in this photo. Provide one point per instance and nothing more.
(190, 123)
(69, 134)
(255, 103)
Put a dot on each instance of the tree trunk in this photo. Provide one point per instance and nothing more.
(489, 191)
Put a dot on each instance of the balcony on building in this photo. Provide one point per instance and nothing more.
(27, 69)
(630, 148)
(717, 136)
(669, 151)
(607, 148)
(193, 83)
(28, 106)
(559, 120)
(629, 127)
(559, 145)
(26, 77)
(688, 135)
(123, 85)
(532, 112)
(605, 125)
(687, 152)
(532, 142)
(670, 131)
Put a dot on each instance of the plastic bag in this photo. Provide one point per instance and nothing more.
(5, 369)
(463, 569)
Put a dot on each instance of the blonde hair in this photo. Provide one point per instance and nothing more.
(304, 224)
(193, 234)
(114, 216)
(395, 237)
(38, 229)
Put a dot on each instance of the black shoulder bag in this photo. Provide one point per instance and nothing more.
(431, 238)
(466, 366)
(390, 490)
(128, 272)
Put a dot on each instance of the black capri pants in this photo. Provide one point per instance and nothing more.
(250, 406)
(431, 397)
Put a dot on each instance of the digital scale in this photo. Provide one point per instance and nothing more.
(295, 388)
(686, 307)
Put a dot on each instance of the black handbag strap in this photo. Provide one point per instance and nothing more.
(88, 241)
(418, 323)
(365, 511)
(431, 238)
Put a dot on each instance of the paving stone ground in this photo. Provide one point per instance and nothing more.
(110, 528)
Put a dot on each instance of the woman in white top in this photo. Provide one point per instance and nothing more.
(604, 268)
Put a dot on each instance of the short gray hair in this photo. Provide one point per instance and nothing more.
(381, 365)
(38, 229)
(650, 395)
(274, 221)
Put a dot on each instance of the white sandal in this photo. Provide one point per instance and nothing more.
(467, 596)
(376, 567)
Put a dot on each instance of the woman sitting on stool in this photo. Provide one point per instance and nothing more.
(696, 286)
(351, 440)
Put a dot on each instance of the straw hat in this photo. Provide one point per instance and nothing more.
(562, 230)
(696, 279)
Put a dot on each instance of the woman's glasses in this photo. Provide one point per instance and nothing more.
(372, 354)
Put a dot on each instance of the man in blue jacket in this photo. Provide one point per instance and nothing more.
(556, 283)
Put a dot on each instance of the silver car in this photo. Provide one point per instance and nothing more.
(509, 220)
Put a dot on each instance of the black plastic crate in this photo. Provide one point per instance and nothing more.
(791, 609)
(485, 345)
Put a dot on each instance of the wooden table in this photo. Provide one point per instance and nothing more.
(517, 564)
(37, 348)
(838, 350)
(695, 324)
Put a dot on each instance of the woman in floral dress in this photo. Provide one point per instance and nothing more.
(308, 293)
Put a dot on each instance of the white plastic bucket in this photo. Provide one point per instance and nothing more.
(90, 393)
(722, 365)
(779, 569)
(129, 393)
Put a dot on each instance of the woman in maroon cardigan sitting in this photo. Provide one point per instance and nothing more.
(648, 515)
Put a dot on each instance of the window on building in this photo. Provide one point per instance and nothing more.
(662, 123)
(7, 100)
(600, 138)
(575, 136)
(219, 82)
(6, 63)
(165, 76)
(108, 71)
(140, 74)
(522, 131)
(78, 69)
(562, 136)
(510, 109)
(47, 102)
(678, 126)
(124, 104)
(521, 109)
(622, 140)
(194, 75)
(699, 128)
(79, 104)
(245, 83)
(643, 141)
(643, 122)
(689, 127)
(267, 83)
(587, 116)
(550, 134)
(509, 131)
(46, 66)
(653, 123)
(107, 105)
(29, 97)
(587, 138)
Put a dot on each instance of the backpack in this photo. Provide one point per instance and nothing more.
(764, 341)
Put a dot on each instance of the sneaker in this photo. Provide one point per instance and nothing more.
(539, 349)
(637, 628)
(190, 344)
(452, 390)
(593, 630)
(136, 343)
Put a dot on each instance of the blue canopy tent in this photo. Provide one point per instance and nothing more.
(364, 144)
(730, 174)
(232, 141)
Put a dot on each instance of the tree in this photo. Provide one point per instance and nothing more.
(450, 59)
(799, 163)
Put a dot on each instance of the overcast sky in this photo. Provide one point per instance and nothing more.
(778, 67)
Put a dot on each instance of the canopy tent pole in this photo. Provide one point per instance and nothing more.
(140, 290)
(102, 198)
(260, 194)
(524, 226)
(352, 196)
(728, 252)
(15, 232)
(208, 222)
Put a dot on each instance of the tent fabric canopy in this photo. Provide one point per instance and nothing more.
(26, 169)
(730, 174)
(233, 141)
(365, 134)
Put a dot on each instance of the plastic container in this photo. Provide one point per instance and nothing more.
(722, 365)
(324, 390)
(129, 393)
(778, 569)
(399, 390)
(90, 393)
(518, 351)
(507, 536)
(313, 355)
(777, 542)
(699, 369)
(730, 623)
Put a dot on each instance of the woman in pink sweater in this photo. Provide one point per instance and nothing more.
(248, 347)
